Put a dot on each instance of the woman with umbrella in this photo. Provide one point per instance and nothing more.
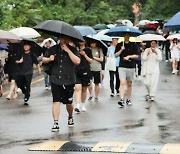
(151, 58)
(83, 76)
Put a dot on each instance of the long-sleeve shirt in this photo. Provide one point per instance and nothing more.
(151, 61)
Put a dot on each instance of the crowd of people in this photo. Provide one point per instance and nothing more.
(71, 69)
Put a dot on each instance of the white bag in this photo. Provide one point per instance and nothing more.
(110, 64)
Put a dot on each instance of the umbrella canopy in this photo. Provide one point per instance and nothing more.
(8, 37)
(3, 46)
(151, 37)
(35, 48)
(131, 39)
(100, 35)
(85, 30)
(119, 31)
(57, 28)
(171, 37)
(127, 23)
(25, 32)
(143, 22)
(100, 43)
(151, 32)
(174, 22)
(100, 26)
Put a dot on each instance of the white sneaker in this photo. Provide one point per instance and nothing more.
(18, 90)
(77, 108)
(174, 71)
(83, 108)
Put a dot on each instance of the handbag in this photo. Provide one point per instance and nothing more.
(111, 64)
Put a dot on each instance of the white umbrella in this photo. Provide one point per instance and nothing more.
(143, 22)
(46, 40)
(151, 37)
(127, 23)
(25, 32)
(100, 35)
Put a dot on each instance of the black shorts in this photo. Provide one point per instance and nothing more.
(62, 93)
(96, 75)
(83, 78)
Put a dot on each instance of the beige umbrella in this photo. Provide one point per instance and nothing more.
(25, 32)
(151, 37)
(8, 37)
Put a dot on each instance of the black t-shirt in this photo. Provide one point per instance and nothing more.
(84, 65)
(26, 67)
(130, 49)
(63, 69)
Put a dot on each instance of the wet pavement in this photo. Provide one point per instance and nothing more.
(145, 122)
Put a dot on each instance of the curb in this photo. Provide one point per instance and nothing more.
(114, 147)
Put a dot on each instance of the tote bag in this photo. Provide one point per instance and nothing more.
(110, 64)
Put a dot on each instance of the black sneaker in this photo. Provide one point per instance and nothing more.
(55, 128)
(70, 122)
(90, 98)
(121, 103)
(151, 98)
(26, 103)
(147, 97)
(128, 102)
(112, 95)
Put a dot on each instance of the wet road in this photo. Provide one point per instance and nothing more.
(144, 122)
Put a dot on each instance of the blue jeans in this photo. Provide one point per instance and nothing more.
(46, 80)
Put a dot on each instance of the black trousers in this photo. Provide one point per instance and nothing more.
(138, 63)
(116, 74)
(24, 83)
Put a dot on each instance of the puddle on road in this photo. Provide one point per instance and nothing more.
(135, 124)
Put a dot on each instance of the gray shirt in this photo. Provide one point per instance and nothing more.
(96, 65)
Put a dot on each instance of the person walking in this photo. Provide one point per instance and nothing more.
(151, 58)
(83, 76)
(1, 78)
(111, 54)
(95, 69)
(175, 55)
(128, 52)
(12, 70)
(63, 58)
(25, 64)
(46, 44)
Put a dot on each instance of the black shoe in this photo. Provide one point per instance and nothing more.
(112, 95)
(26, 104)
(90, 98)
(70, 122)
(128, 102)
(55, 128)
(121, 103)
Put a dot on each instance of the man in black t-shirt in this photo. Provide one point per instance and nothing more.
(25, 65)
(127, 51)
(63, 58)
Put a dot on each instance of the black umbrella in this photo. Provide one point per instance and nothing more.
(100, 43)
(35, 48)
(57, 28)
